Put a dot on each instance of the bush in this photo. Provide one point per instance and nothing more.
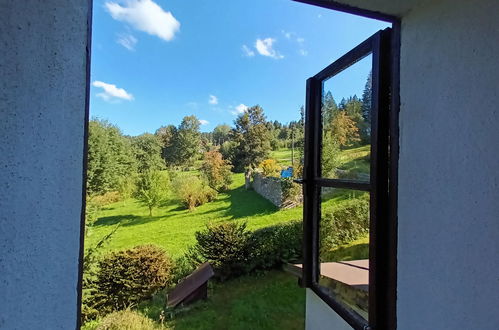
(234, 251)
(192, 191)
(184, 266)
(276, 245)
(347, 222)
(129, 276)
(106, 199)
(270, 167)
(291, 192)
(126, 320)
(226, 246)
(217, 170)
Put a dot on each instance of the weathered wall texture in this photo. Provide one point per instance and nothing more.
(42, 111)
(448, 263)
(270, 188)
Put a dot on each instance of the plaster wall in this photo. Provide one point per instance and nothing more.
(448, 265)
(42, 110)
(319, 315)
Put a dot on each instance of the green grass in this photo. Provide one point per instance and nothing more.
(172, 227)
(358, 249)
(355, 160)
(270, 300)
(283, 156)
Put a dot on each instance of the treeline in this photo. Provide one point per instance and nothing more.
(114, 157)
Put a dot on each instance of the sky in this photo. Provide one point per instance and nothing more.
(154, 62)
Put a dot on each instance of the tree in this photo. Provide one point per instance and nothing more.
(187, 141)
(253, 138)
(221, 134)
(366, 109)
(330, 156)
(110, 157)
(167, 135)
(344, 130)
(153, 188)
(216, 170)
(329, 109)
(147, 150)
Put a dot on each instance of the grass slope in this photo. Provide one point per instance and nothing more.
(172, 227)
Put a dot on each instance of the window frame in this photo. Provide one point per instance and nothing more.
(382, 234)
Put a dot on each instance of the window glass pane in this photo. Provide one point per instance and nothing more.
(346, 123)
(344, 247)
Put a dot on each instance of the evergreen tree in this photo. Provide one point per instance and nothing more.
(110, 157)
(366, 109)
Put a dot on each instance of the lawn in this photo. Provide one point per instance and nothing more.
(172, 227)
(283, 156)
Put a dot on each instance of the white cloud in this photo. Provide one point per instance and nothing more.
(247, 51)
(241, 108)
(146, 16)
(111, 92)
(303, 52)
(264, 47)
(127, 40)
(213, 99)
(300, 40)
(203, 122)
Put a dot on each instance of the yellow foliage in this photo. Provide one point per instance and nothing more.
(270, 167)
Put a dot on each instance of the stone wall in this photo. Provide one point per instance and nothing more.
(268, 187)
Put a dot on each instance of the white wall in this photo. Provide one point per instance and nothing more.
(42, 108)
(448, 243)
(319, 316)
(448, 252)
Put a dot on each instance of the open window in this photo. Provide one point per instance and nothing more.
(365, 295)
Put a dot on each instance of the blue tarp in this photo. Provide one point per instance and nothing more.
(287, 173)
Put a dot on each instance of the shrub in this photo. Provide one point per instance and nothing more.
(90, 296)
(126, 277)
(270, 167)
(92, 210)
(184, 266)
(106, 199)
(126, 320)
(217, 170)
(291, 192)
(277, 244)
(127, 186)
(347, 222)
(226, 246)
(192, 191)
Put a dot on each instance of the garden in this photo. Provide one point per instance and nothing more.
(159, 205)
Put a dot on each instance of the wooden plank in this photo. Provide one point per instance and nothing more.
(193, 287)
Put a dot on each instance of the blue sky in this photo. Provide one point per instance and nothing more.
(154, 62)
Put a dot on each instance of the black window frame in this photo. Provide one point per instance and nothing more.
(384, 140)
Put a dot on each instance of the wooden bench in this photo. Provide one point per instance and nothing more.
(192, 288)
